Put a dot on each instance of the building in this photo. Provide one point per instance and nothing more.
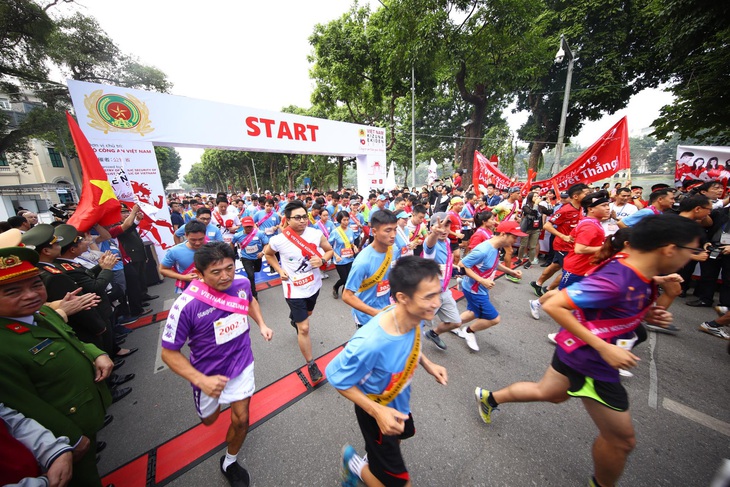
(45, 179)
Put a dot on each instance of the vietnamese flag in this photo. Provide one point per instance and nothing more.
(98, 204)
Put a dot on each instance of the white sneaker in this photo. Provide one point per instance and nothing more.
(325, 275)
(551, 337)
(535, 261)
(535, 308)
(458, 331)
(625, 373)
(458, 283)
(471, 341)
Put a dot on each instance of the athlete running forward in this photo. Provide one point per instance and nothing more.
(375, 369)
(598, 316)
(212, 313)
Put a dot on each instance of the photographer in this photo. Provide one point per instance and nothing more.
(718, 238)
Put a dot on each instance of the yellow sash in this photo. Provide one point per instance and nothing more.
(379, 274)
(411, 363)
(346, 240)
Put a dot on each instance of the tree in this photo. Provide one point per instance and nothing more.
(693, 44)
(34, 48)
(168, 161)
(641, 148)
(613, 45)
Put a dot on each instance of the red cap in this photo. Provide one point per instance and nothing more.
(291, 194)
(511, 227)
(247, 221)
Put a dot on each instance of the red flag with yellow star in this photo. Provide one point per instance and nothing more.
(97, 204)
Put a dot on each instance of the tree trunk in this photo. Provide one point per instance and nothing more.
(535, 153)
(478, 99)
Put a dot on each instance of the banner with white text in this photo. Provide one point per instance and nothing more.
(608, 155)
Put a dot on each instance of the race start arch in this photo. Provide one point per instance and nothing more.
(122, 125)
(111, 113)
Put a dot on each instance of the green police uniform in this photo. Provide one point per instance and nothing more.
(48, 374)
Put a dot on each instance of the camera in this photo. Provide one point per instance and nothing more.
(59, 212)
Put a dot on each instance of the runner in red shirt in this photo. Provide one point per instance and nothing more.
(561, 224)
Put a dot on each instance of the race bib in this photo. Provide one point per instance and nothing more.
(725, 239)
(269, 231)
(442, 268)
(383, 288)
(251, 249)
(354, 227)
(303, 280)
(404, 250)
(230, 327)
(347, 253)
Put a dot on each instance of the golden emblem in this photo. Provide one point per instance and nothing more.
(117, 113)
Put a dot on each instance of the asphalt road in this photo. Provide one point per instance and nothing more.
(679, 399)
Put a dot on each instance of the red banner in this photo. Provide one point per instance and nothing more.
(608, 155)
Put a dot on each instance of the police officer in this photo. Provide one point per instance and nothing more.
(46, 372)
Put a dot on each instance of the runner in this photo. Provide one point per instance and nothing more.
(267, 220)
(436, 247)
(178, 262)
(302, 251)
(251, 241)
(599, 315)
(367, 289)
(588, 237)
(479, 266)
(403, 245)
(375, 369)
(561, 224)
(343, 244)
(417, 229)
(213, 314)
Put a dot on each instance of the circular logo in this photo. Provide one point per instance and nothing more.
(118, 111)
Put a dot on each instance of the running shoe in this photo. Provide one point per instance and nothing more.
(537, 288)
(625, 373)
(458, 331)
(720, 310)
(514, 279)
(714, 331)
(431, 335)
(527, 264)
(535, 308)
(236, 475)
(485, 410)
(458, 283)
(325, 275)
(551, 337)
(335, 294)
(471, 340)
(669, 329)
(349, 479)
(314, 373)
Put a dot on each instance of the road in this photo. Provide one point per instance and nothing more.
(678, 397)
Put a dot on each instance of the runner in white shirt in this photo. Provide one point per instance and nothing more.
(620, 209)
(302, 250)
(226, 218)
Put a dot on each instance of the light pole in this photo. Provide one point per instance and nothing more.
(413, 126)
(562, 53)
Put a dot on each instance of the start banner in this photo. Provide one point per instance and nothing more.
(608, 155)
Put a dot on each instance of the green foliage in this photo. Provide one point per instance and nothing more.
(640, 149)
(694, 41)
(34, 48)
(168, 161)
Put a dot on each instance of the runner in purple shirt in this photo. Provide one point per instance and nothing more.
(212, 316)
(599, 315)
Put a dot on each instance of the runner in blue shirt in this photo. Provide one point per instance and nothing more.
(342, 240)
(267, 220)
(251, 241)
(367, 289)
(178, 261)
(375, 370)
(204, 215)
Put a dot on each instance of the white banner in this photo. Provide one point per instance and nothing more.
(135, 177)
(123, 114)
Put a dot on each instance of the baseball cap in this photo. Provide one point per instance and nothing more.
(382, 197)
(402, 214)
(511, 227)
(514, 189)
(247, 221)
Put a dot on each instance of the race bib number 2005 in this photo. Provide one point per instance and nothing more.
(228, 328)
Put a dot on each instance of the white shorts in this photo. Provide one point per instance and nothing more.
(237, 389)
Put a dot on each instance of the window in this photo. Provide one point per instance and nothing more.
(56, 160)
(5, 104)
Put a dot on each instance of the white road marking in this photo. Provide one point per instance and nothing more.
(696, 416)
(653, 377)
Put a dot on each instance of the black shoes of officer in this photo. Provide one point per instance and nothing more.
(119, 393)
(117, 380)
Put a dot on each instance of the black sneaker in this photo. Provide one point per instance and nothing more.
(335, 294)
(237, 475)
(431, 335)
(538, 289)
(314, 373)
